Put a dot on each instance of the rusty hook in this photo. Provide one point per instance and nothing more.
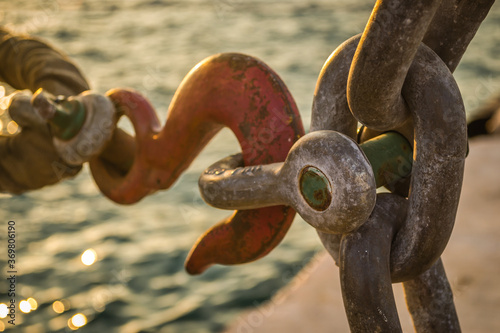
(226, 90)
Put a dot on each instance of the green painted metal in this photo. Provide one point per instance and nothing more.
(391, 157)
(68, 119)
(315, 188)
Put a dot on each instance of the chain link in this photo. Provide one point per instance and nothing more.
(403, 242)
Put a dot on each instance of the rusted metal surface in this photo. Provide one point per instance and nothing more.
(227, 90)
(385, 52)
(430, 301)
(453, 27)
(366, 278)
(403, 238)
(390, 42)
(315, 188)
(439, 154)
(365, 273)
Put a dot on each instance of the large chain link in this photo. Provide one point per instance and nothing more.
(402, 240)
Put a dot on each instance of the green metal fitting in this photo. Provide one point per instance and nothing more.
(81, 125)
(68, 119)
(391, 157)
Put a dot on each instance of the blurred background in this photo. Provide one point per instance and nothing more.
(86, 262)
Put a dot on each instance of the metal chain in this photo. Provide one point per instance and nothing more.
(395, 79)
(415, 79)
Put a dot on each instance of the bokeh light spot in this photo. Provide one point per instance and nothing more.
(4, 310)
(77, 321)
(4, 100)
(12, 127)
(89, 257)
(25, 306)
(33, 303)
(60, 306)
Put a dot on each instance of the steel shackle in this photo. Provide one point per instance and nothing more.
(327, 178)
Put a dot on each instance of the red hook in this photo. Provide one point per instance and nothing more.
(225, 90)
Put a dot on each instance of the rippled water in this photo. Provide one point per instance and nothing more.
(138, 282)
